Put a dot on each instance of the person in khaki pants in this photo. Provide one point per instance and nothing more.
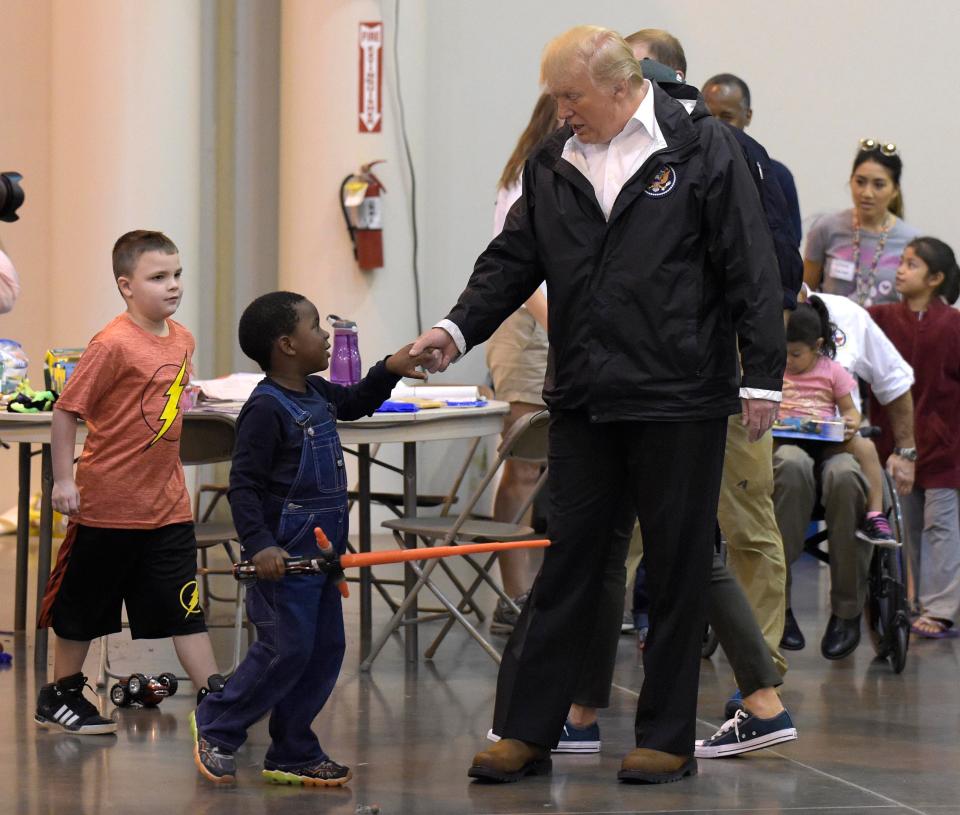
(748, 521)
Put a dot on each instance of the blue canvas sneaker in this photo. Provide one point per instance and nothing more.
(734, 703)
(579, 739)
(572, 740)
(744, 733)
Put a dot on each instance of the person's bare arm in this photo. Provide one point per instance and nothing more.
(851, 416)
(812, 274)
(63, 440)
(537, 306)
(900, 412)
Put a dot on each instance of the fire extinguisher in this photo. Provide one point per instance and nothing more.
(360, 202)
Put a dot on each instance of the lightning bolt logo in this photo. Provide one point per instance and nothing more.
(190, 598)
(170, 410)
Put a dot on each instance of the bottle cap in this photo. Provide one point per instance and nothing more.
(340, 322)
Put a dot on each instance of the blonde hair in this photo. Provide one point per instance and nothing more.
(543, 121)
(606, 56)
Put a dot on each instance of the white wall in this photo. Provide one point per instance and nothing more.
(823, 74)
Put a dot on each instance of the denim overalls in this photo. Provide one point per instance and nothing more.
(292, 667)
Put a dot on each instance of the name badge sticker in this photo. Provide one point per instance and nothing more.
(842, 269)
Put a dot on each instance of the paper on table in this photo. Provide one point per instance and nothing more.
(234, 387)
(444, 393)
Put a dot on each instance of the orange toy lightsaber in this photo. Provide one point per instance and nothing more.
(331, 564)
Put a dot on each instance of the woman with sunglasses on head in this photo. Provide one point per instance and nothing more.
(855, 253)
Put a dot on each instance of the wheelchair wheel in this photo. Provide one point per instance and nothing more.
(887, 600)
(710, 642)
(898, 655)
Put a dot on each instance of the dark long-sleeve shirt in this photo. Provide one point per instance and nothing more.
(789, 189)
(268, 447)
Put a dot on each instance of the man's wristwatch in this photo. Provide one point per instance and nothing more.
(909, 453)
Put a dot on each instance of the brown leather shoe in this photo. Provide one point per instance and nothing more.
(510, 760)
(646, 766)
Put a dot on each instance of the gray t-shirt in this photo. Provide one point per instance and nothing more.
(830, 243)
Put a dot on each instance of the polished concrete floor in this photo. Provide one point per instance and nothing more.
(870, 741)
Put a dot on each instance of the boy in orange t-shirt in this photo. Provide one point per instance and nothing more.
(131, 537)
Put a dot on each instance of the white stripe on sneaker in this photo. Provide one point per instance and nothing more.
(64, 709)
(71, 720)
(746, 746)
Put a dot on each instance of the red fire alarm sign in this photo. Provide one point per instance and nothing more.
(371, 77)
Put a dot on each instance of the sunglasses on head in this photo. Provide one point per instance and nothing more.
(887, 148)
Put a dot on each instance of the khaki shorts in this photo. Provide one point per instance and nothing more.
(517, 359)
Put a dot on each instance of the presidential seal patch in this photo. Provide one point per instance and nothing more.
(663, 182)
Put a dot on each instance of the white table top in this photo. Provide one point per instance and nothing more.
(434, 424)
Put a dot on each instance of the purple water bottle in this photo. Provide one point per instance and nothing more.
(345, 360)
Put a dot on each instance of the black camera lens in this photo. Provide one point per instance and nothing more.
(11, 196)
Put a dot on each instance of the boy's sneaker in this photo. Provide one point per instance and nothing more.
(746, 732)
(876, 529)
(734, 703)
(62, 706)
(505, 618)
(326, 773)
(572, 740)
(214, 764)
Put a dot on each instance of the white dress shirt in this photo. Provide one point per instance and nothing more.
(608, 167)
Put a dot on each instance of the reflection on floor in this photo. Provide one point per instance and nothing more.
(870, 741)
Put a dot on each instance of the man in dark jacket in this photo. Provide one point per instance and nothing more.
(645, 224)
(728, 98)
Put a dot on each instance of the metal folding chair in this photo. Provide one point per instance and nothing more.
(393, 501)
(526, 440)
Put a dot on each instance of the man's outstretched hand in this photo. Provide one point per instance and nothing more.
(440, 347)
(404, 363)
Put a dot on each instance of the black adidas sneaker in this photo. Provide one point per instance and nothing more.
(61, 705)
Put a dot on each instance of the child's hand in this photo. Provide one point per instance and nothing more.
(66, 497)
(850, 427)
(402, 364)
(270, 563)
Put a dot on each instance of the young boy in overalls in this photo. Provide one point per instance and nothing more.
(288, 476)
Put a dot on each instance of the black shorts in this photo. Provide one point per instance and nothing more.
(152, 571)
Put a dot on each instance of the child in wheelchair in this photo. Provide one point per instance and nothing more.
(817, 387)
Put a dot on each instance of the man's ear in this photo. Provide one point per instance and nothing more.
(285, 346)
(123, 283)
(749, 115)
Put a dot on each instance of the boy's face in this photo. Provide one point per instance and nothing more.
(312, 343)
(153, 289)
